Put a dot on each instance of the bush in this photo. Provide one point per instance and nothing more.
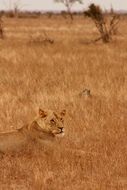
(96, 14)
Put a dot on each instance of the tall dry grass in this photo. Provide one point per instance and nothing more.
(93, 153)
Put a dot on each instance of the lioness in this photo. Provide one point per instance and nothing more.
(47, 125)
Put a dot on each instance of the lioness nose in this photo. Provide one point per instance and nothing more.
(61, 128)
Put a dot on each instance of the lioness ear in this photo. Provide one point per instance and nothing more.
(42, 113)
(63, 113)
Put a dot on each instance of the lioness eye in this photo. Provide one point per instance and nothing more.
(61, 119)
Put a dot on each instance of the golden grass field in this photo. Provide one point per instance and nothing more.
(93, 153)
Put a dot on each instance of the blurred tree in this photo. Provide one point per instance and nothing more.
(1, 27)
(68, 4)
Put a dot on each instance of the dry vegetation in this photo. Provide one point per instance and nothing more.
(93, 153)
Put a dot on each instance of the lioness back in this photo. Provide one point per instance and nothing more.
(12, 141)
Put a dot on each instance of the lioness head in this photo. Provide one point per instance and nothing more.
(51, 122)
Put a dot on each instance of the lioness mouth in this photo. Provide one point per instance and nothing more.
(61, 134)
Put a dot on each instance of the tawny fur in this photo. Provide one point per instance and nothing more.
(45, 127)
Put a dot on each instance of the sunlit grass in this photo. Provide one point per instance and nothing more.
(92, 155)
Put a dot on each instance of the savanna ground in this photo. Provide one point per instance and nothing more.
(93, 153)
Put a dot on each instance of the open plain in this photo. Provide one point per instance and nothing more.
(36, 73)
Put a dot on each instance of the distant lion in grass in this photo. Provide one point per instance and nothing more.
(46, 126)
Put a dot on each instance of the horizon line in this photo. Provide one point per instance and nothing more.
(50, 10)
